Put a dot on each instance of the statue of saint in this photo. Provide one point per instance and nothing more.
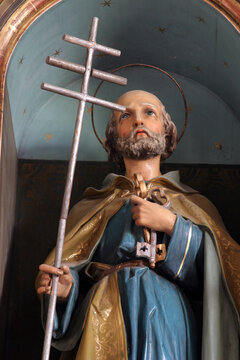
(111, 303)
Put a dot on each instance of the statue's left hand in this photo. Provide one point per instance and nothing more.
(152, 216)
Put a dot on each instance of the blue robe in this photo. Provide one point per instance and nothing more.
(159, 320)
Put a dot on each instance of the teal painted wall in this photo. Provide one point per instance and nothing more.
(187, 38)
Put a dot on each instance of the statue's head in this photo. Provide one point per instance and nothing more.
(145, 130)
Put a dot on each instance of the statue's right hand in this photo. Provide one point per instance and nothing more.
(64, 284)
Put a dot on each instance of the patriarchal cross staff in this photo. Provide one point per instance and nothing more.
(83, 97)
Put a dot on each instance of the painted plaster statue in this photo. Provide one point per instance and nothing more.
(111, 303)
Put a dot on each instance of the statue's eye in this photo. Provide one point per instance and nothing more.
(150, 112)
(124, 116)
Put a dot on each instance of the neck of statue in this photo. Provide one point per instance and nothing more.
(149, 168)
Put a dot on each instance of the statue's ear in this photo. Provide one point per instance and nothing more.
(105, 145)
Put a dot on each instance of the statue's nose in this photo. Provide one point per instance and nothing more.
(138, 121)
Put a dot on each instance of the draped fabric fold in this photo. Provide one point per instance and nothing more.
(86, 225)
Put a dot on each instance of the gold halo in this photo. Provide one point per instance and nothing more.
(147, 66)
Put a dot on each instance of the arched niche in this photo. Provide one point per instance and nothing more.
(198, 43)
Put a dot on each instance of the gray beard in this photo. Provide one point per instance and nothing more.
(141, 148)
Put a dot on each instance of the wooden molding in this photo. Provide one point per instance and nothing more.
(10, 34)
(228, 8)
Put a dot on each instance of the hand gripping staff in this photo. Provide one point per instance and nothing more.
(83, 97)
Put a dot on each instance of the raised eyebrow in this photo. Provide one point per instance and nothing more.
(118, 114)
(150, 105)
(128, 111)
(125, 112)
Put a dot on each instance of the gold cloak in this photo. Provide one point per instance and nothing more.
(88, 219)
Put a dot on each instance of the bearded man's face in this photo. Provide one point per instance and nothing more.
(139, 128)
(142, 148)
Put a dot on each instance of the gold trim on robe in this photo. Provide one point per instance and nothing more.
(186, 251)
(104, 335)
